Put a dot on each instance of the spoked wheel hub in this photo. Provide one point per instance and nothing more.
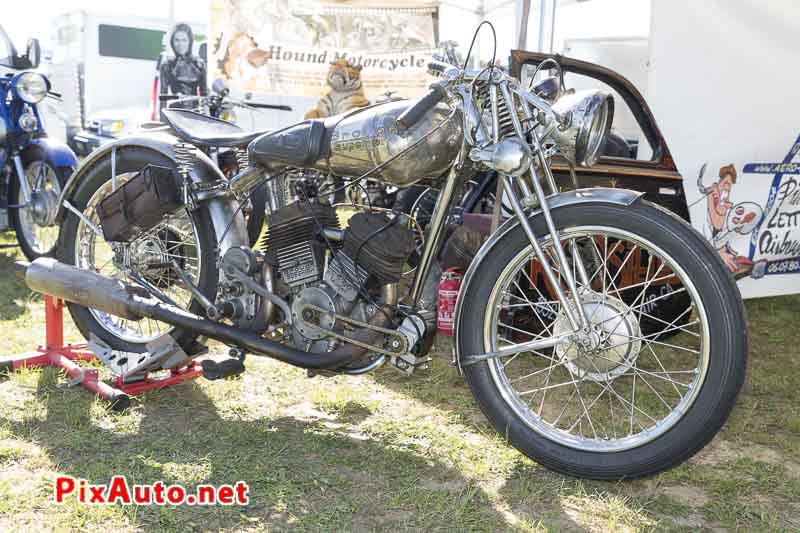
(152, 256)
(610, 344)
(43, 204)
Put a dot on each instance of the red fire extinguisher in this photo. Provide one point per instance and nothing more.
(449, 285)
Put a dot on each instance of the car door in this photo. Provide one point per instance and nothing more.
(647, 166)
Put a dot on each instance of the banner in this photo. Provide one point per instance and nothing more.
(278, 47)
(722, 86)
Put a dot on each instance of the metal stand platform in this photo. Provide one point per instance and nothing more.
(55, 353)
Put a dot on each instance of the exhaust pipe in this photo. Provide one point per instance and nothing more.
(88, 289)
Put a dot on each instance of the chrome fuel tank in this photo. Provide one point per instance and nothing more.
(363, 139)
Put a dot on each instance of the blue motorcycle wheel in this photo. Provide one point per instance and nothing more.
(36, 234)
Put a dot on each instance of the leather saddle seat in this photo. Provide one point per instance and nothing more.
(203, 130)
(298, 145)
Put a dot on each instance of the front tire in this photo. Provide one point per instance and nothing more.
(35, 236)
(582, 437)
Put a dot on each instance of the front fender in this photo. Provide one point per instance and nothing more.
(224, 210)
(58, 153)
(602, 195)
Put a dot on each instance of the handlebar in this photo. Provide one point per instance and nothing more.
(176, 98)
(413, 114)
(265, 106)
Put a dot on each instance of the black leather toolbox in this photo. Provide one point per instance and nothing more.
(139, 204)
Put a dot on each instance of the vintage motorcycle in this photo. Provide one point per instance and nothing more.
(552, 332)
(34, 167)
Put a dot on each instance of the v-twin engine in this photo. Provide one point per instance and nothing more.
(334, 279)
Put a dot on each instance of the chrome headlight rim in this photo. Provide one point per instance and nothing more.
(590, 116)
(31, 87)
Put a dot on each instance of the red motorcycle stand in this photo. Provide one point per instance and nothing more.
(56, 353)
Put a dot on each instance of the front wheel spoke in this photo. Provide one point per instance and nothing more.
(521, 331)
(643, 371)
(633, 406)
(660, 375)
(549, 387)
(539, 318)
(634, 308)
(622, 267)
(546, 305)
(591, 404)
(658, 298)
(541, 370)
(586, 412)
(563, 409)
(648, 340)
(681, 328)
(646, 284)
(668, 406)
(661, 366)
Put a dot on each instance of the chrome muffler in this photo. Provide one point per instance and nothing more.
(89, 289)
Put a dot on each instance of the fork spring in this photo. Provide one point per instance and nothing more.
(242, 159)
(505, 124)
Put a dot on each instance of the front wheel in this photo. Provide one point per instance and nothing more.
(32, 221)
(629, 400)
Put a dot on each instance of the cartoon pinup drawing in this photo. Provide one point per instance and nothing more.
(726, 221)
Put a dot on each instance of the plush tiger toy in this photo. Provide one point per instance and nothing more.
(345, 91)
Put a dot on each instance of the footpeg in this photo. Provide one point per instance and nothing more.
(213, 370)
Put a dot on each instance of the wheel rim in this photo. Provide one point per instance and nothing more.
(147, 257)
(632, 387)
(38, 232)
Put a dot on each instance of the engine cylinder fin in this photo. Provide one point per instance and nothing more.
(292, 240)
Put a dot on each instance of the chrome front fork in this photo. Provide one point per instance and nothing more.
(577, 314)
(24, 186)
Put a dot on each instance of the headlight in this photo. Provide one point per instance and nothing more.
(111, 127)
(589, 116)
(28, 122)
(32, 87)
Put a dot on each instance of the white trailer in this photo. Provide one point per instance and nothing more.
(104, 61)
(723, 84)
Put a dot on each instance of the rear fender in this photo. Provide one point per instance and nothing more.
(228, 220)
(598, 195)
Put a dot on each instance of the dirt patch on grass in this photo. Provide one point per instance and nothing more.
(759, 452)
(687, 495)
(307, 412)
(720, 452)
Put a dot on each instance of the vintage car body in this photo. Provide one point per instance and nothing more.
(658, 177)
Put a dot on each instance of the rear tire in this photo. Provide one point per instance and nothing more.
(721, 304)
(130, 161)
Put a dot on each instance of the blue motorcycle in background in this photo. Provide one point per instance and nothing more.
(33, 168)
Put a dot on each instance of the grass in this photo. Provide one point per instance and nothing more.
(381, 452)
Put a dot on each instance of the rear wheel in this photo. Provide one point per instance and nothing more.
(186, 237)
(631, 401)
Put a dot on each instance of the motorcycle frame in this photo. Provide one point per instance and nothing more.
(577, 316)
